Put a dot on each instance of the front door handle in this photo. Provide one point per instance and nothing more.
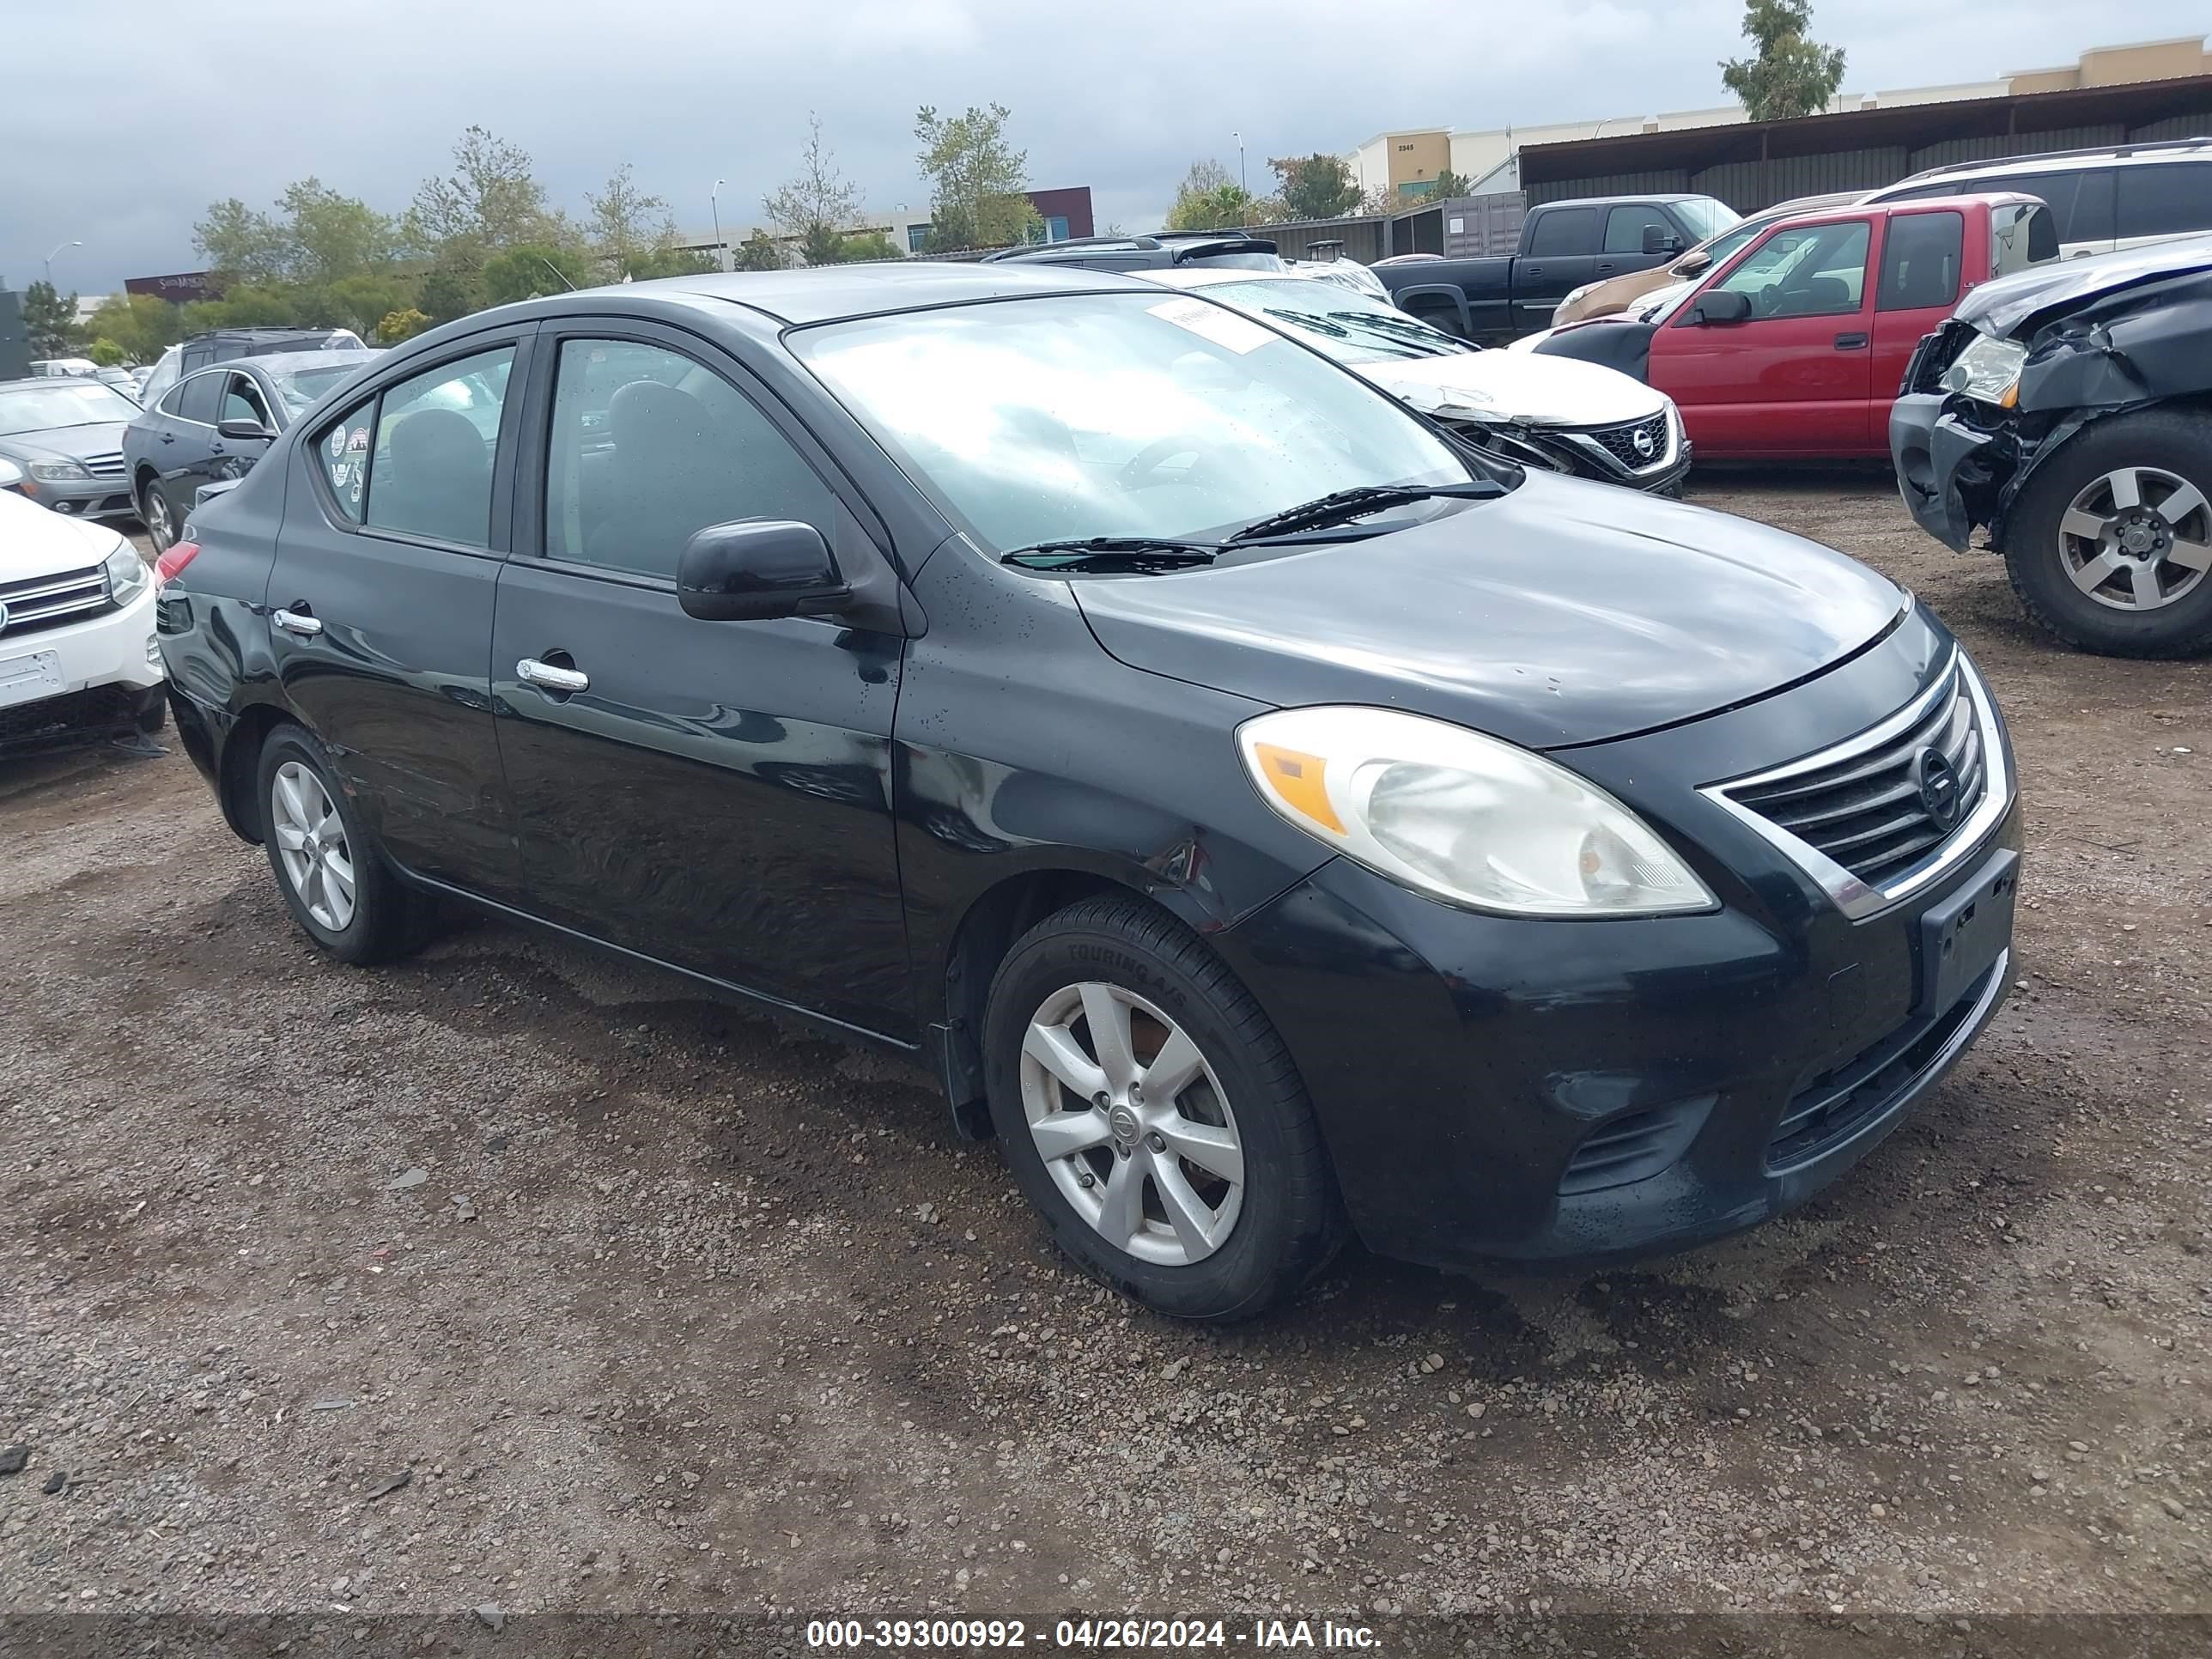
(297, 621)
(168, 437)
(566, 680)
(1851, 342)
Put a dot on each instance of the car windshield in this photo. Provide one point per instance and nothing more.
(301, 386)
(1346, 324)
(61, 402)
(1152, 415)
(1704, 215)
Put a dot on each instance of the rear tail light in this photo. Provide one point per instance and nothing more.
(179, 555)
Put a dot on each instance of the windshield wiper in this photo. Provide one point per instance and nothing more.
(1342, 506)
(1135, 553)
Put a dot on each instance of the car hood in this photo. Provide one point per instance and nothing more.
(1479, 385)
(1565, 612)
(2003, 304)
(36, 543)
(72, 443)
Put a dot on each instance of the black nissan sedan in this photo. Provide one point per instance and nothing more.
(1266, 817)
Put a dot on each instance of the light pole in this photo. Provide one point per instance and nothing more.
(50, 258)
(714, 201)
(1241, 189)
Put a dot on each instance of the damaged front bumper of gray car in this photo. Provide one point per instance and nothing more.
(1965, 446)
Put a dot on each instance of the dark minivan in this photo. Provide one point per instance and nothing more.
(1267, 815)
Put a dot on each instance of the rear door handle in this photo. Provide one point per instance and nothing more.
(297, 621)
(1851, 342)
(566, 680)
(168, 437)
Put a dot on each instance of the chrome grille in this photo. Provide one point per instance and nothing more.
(1868, 811)
(42, 602)
(1619, 441)
(109, 465)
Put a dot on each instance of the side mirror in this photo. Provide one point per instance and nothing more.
(1691, 264)
(245, 432)
(10, 474)
(1658, 240)
(756, 569)
(1722, 306)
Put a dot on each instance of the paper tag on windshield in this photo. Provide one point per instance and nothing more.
(1215, 323)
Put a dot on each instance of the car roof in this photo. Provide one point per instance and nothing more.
(1626, 201)
(1208, 276)
(828, 293)
(288, 362)
(2146, 153)
(1958, 200)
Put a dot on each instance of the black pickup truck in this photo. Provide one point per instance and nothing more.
(1563, 245)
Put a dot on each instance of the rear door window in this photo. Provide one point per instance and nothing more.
(430, 462)
(2162, 199)
(342, 452)
(1920, 261)
(198, 399)
(1563, 231)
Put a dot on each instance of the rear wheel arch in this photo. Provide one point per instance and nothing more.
(241, 766)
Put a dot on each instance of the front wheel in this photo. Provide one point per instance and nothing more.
(2111, 544)
(155, 513)
(1152, 1114)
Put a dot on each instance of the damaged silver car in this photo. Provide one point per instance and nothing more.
(2068, 411)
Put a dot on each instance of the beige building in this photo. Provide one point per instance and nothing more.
(1409, 160)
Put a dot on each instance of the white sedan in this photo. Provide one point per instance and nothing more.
(1553, 412)
(77, 658)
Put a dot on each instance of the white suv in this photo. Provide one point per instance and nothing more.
(77, 654)
(2102, 200)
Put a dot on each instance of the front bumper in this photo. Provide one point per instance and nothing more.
(93, 678)
(1497, 1089)
(84, 498)
(1951, 476)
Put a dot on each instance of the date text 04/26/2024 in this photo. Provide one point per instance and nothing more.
(1087, 1635)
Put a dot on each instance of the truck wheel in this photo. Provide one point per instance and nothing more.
(1153, 1116)
(2109, 546)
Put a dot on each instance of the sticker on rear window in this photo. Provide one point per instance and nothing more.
(337, 441)
(360, 439)
(1212, 322)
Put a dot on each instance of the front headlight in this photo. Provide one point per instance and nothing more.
(1988, 371)
(1462, 817)
(126, 573)
(57, 471)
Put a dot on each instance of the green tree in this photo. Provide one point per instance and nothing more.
(105, 352)
(399, 326)
(49, 321)
(978, 180)
(817, 202)
(250, 304)
(490, 202)
(363, 301)
(1316, 186)
(243, 245)
(140, 325)
(328, 237)
(627, 224)
(866, 245)
(451, 291)
(1792, 74)
(760, 251)
(530, 269)
(668, 260)
(1450, 186)
(1209, 199)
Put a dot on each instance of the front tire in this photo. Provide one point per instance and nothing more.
(335, 883)
(156, 514)
(1153, 1116)
(2110, 547)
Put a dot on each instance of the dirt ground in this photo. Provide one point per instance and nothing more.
(692, 1311)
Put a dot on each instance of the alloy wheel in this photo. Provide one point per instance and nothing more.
(158, 519)
(311, 843)
(2137, 538)
(1133, 1125)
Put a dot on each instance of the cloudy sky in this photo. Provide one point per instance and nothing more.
(142, 112)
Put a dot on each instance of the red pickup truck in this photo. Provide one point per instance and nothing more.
(1795, 349)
